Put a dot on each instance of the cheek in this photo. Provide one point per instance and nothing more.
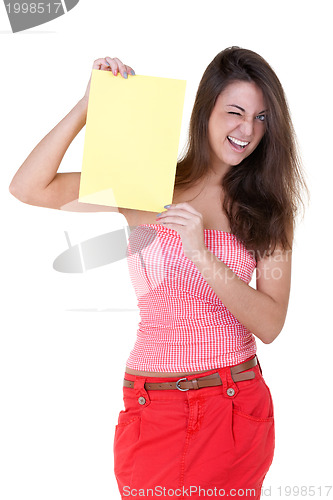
(214, 136)
(260, 132)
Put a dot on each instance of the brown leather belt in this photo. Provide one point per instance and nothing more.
(208, 381)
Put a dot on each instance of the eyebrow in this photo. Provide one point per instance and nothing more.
(242, 109)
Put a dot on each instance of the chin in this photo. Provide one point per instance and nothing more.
(233, 162)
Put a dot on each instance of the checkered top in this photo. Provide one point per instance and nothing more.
(184, 325)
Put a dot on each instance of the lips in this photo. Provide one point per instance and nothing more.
(237, 144)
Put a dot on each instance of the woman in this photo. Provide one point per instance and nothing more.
(198, 418)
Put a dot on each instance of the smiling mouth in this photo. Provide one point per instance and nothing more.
(236, 144)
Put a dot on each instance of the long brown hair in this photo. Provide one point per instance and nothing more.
(262, 194)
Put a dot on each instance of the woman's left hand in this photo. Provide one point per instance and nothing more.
(187, 221)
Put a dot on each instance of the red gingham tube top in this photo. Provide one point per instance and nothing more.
(184, 326)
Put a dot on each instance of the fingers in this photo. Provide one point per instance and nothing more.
(171, 214)
(101, 64)
(180, 213)
(181, 221)
(184, 207)
(113, 64)
(121, 67)
(110, 64)
(117, 66)
(130, 71)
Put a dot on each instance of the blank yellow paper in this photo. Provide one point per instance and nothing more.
(131, 141)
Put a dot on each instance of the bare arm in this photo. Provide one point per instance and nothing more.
(262, 310)
(37, 181)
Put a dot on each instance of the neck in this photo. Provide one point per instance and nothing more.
(216, 174)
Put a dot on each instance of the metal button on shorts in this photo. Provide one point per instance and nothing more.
(230, 391)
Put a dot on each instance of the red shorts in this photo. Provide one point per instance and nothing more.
(197, 443)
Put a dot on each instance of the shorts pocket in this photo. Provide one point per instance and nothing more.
(126, 417)
(126, 439)
(132, 411)
(252, 417)
(253, 431)
(254, 402)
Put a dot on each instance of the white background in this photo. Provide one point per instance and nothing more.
(61, 364)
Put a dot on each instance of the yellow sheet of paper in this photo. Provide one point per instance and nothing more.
(131, 141)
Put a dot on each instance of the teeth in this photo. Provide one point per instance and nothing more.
(236, 141)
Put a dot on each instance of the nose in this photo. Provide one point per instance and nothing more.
(246, 127)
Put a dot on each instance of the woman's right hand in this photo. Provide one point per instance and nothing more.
(110, 64)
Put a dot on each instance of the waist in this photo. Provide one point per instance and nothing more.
(181, 352)
(247, 370)
(141, 373)
(233, 368)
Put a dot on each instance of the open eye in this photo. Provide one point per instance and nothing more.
(261, 118)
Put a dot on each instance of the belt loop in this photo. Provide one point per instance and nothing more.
(140, 391)
(195, 383)
(229, 387)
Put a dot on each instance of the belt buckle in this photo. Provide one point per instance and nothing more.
(179, 388)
